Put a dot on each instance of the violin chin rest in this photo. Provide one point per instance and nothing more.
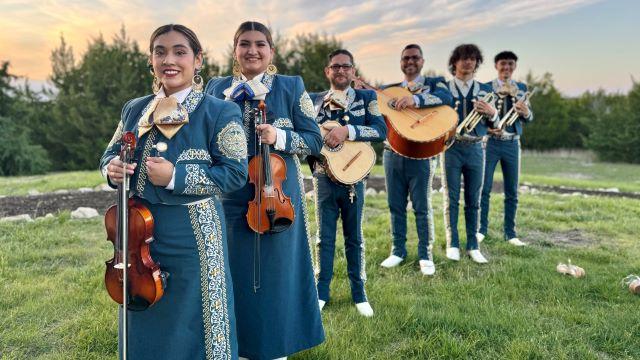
(280, 225)
(138, 303)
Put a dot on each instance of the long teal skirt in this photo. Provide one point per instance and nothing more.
(195, 317)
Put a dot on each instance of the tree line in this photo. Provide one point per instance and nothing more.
(67, 126)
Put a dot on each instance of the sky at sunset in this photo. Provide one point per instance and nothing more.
(585, 44)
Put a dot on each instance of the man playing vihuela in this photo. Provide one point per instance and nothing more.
(346, 116)
(406, 177)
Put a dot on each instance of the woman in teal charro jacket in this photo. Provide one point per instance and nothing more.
(275, 295)
(195, 317)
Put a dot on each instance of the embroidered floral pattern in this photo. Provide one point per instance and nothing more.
(298, 145)
(373, 108)
(198, 183)
(430, 99)
(283, 123)
(306, 105)
(207, 229)
(363, 262)
(142, 176)
(267, 80)
(194, 154)
(367, 131)
(247, 119)
(433, 163)
(305, 217)
(355, 104)
(192, 100)
(232, 141)
(357, 113)
(454, 89)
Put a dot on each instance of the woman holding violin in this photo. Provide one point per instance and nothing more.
(275, 295)
(202, 157)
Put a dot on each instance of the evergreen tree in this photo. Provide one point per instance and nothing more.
(307, 57)
(90, 96)
(615, 126)
(18, 154)
(551, 126)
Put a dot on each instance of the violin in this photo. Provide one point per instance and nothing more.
(271, 210)
(129, 226)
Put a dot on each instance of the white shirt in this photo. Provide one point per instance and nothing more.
(352, 130)
(180, 95)
(464, 86)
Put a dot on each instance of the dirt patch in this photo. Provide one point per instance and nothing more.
(39, 205)
(568, 238)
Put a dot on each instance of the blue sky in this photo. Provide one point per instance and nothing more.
(585, 44)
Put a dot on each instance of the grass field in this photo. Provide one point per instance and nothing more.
(21, 185)
(53, 304)
(560, 168)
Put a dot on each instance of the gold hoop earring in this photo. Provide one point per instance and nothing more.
(271, 69)
(236, 69)
(197, 82)
(156, 85)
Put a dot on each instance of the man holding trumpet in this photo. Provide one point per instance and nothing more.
(473, 102)
(503, 145)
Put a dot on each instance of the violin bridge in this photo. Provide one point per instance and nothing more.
(120, 266)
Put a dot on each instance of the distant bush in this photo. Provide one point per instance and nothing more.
(615, 128)
(18, 156)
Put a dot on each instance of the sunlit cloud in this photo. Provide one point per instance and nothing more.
(374, 31)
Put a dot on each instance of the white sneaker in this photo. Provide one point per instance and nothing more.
(364, 309)
(427, 267)
(321, 304)
(391, 261)
(516, 242)
(477, 256)
(453, 253)
(479, 237)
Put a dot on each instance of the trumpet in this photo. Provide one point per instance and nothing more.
(473, 119)
(512, 115)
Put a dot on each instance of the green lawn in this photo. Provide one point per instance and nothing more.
(21, 185)
(54, 305)
(578, 170)
(572, 169)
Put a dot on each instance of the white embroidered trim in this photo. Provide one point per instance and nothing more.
(208, 231)
(283, 123)
(367, 131)
(198, 183)
(194, 154)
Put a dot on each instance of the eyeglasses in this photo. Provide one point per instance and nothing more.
(338, 67)
(414, 58)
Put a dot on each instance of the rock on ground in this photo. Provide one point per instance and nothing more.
(84, 213)
(22, 217)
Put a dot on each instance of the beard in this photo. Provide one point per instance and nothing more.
(340, 83)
